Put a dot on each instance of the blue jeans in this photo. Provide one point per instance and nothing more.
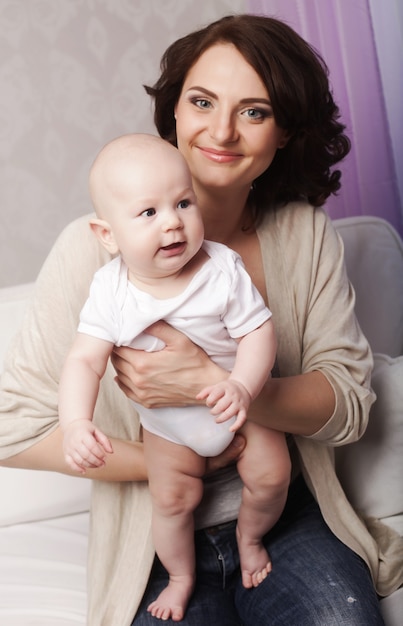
(316, 580)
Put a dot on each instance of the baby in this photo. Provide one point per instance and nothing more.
(147, 217)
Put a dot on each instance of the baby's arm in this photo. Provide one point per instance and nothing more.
(254, 361)
(84, 445)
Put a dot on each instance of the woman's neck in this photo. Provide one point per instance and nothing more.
(224, 215)
(226, 221)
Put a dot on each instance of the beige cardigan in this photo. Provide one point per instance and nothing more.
(312, 305)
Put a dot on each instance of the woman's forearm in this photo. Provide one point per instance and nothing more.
(300, 405)
(126, 463)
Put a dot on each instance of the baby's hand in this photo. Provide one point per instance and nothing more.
(84, 445)
(227, 398)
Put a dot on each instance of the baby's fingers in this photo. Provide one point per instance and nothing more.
(89, 453)
(103, 441)
(76, 467)
(224, 410)
(94, 455)
(240, 421)
(212, 395)
(82, 459)
(205, 394)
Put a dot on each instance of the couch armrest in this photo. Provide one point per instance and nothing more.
(374, 259)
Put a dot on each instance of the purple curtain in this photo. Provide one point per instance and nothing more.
(343, 33)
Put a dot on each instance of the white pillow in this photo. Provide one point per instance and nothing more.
(371, 470)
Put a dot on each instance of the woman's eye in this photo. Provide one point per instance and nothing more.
(256, 114)
(148, 213)
(183, 204)
(202, 103)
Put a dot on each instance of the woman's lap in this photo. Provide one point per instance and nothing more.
(316, 580)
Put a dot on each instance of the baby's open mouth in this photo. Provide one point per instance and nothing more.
(173, 246)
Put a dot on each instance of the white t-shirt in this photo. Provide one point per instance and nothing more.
(218, 306)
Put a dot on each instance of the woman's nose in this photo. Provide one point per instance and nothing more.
(223, 128)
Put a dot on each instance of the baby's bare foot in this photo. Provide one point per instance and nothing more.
(173, 600)
(255, 563)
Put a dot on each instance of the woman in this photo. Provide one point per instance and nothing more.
(248, 104)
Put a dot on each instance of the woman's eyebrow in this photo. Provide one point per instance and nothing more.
(256, 100)
(203, 89)
(243, 100)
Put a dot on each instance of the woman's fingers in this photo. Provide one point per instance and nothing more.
(230, 455)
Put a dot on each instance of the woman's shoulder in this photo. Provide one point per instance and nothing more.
(77, 248)
(299, 226)
(77, 232)
(297, 237)
(73, 260)
(293, 217)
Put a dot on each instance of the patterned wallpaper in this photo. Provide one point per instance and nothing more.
(71, 76)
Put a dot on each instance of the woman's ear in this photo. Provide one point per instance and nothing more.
(104, 234)
(284, 140)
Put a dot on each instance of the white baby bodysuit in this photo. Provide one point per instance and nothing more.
(218, 306)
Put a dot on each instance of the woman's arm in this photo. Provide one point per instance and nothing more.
(300, 404)
(125, 464)
(324, 391)
(30, 435)
(164, 382)
(29, 425)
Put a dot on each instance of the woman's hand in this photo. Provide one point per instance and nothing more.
(229, 456)
(170, 377)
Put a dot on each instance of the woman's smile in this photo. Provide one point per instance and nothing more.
(224, 115)
(220, 156)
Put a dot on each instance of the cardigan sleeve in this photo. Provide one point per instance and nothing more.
(314, 315)
(333, 341)
(29, 382)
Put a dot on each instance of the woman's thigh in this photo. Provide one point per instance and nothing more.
(316, 580)
(217, 570)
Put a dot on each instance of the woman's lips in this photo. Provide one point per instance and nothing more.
(220, 156)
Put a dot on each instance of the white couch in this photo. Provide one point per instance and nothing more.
(44, 516)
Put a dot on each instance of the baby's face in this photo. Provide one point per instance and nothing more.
(154, 215)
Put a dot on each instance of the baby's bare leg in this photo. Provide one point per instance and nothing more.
(265, 468)
(176, 489)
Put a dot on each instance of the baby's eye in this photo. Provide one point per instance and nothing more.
(183, 204)
(148, 212)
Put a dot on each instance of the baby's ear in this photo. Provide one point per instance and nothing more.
(104, 234)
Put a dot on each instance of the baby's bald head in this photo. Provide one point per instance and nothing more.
(121, 159)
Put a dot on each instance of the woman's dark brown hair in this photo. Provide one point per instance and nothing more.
(296, 78)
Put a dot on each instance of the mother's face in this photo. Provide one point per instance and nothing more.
(224, 120)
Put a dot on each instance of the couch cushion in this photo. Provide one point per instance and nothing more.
(43, 572)
(371, 469)
(30, 496)
(374, 260)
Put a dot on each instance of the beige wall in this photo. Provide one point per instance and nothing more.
(71, 75)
